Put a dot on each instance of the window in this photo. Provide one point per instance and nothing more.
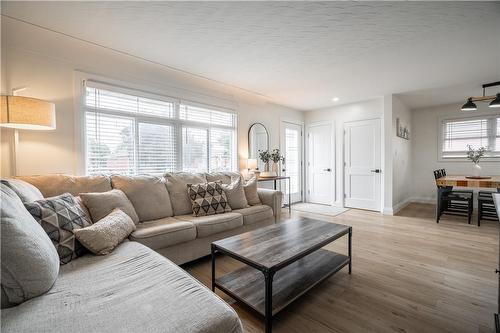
(457, 134)
(128, 132)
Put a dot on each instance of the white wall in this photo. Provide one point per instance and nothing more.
(47, 63)
(370, 109)
(401, 157)
(424, 138)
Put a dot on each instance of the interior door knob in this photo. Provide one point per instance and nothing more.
(329, 170)
(375, 170)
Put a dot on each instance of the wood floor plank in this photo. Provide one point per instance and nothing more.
(409, 275)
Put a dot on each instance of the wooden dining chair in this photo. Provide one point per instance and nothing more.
(453, 202)
(486, 207)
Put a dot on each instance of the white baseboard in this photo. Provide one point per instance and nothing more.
(425, 200)
(397, 207)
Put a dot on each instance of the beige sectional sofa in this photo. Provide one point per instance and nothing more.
(166, 223)
(135, 288)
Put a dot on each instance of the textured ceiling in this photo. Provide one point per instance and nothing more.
(299, 54)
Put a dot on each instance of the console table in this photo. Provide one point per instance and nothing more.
(275, 179)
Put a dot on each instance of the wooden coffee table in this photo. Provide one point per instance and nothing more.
(283, 262)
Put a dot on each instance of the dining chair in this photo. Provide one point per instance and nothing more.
(453, 202)
(486, 207)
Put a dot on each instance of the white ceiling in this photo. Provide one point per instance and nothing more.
(299, 54)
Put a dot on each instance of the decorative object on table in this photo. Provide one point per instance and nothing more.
(475, 156)
(276, 157)
(495, 99)
(252, 169)
(402, 131)
(265, 157)
(25, 113)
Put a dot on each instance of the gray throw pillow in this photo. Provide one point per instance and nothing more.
(101, 204)
(30, 263)
(103, 236)
(25, 191)
(208, 199)
(235, 193)
(59, 217)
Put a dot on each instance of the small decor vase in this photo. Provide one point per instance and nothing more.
(276, 167)
(476, 170)
(266, 167)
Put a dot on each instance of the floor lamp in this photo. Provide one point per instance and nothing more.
(18, 112)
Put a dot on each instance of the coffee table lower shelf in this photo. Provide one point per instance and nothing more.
(247, 284)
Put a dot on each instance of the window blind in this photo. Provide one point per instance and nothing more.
(194, 149)
(458, 134)
(128, 133)
(204, 115)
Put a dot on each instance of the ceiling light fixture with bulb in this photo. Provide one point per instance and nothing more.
(495, 99)
(335, 99)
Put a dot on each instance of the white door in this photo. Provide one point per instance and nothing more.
(362, 164)
(320, 163)
(292, 151)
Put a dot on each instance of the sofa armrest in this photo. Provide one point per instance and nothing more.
(273, 199)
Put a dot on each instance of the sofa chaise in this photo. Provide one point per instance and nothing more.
(138, 287)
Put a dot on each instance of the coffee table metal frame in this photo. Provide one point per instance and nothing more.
(269, 272)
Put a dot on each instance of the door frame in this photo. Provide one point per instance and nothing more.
(333, 157)
(382, 168)
(302, 150)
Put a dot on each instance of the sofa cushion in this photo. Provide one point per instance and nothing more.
(52, 185)
(164, 232)
(225, 177)
(133, 289)
(101, 204)
(59, 217)
(148, 194)
(177, 188)
(235, 193)
(251, 192)
(25, 191)
(30, 263)
(254, 214)
(208, 199)
(102, 237)
(213, 224)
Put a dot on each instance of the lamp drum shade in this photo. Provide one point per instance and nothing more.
(251, 164)
(27, 113)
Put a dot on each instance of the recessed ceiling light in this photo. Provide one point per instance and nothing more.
(335, 99)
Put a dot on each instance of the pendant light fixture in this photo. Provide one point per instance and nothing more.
(469, 106)
(495, 99)
(496, 102)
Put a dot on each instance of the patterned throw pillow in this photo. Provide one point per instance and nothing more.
(208, 199)
(59, 216)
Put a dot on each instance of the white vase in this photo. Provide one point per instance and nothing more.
(476, 170)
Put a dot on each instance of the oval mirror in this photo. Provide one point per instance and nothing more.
(258, 139)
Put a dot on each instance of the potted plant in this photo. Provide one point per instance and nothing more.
(475, 156)
(276, 157)
(265, 157)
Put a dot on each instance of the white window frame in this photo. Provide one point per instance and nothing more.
(116, 86)
(475, 115)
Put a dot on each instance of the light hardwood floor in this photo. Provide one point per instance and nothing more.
(409, 275)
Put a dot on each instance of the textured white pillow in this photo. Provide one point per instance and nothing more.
(251, 192)
(235, 193)
(104, 235)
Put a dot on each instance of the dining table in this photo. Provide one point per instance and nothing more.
(467, 181)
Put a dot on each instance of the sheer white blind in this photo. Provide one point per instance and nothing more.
(128, 133)
(457, 134)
